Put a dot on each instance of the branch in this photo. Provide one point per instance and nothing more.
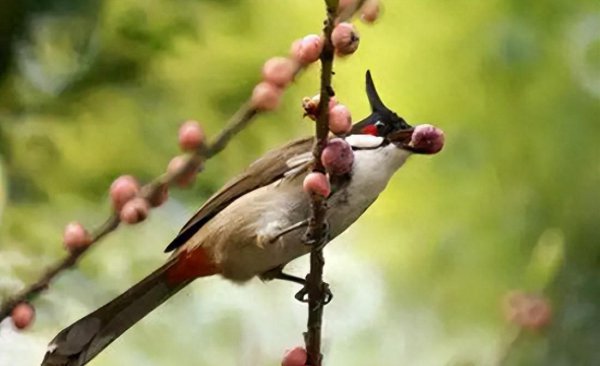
(315, 287)
(237, 123)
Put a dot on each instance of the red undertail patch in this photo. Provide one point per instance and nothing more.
(191, 264)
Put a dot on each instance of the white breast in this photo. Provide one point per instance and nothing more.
(371, 173)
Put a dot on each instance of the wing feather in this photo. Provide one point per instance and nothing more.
(271, 166)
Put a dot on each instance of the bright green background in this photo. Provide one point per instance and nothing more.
(93, 89)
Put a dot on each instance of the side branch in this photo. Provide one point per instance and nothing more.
(316, 289)
(153, 189)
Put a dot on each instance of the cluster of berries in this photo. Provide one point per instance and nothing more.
(129, 204)
(279, 72)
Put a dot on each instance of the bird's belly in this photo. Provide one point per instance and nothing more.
(246, 238)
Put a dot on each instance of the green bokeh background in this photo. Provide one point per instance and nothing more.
(93, 89)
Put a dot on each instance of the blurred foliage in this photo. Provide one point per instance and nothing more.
(93, 89)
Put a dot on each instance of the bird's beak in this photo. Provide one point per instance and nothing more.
(422, 139)
(401, 138)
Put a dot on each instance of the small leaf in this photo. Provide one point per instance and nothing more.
(547, 257)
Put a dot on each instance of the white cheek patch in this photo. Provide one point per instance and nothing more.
(364, 141)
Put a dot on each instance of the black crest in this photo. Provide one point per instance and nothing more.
(382, 120)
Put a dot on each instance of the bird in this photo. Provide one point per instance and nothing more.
(255, 224)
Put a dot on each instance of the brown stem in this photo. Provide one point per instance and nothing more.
(315, 287)
(238, 122)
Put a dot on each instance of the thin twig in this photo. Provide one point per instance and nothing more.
(315, 287)
(238, 122)
(30, 292)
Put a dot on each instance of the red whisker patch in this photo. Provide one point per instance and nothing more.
(369, 130)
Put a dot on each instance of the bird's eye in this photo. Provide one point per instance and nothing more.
(380, 127)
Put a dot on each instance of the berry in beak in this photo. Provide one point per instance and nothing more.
(423, 139)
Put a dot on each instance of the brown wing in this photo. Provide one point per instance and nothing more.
(272, 167)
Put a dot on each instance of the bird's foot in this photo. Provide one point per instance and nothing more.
(302, 295)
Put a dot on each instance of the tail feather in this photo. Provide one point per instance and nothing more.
(77, 344)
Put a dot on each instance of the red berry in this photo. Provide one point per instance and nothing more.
(317, 183)
(338, 157)
(22, 315)
(279, 71)
(191, 136)
(340, 120)
(345, 39)
(122, 190)
(76, 237)
(294, 357)
(188, 177)
(307, 50)
(266, 96)
(134, 211)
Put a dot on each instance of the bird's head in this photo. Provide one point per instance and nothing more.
(386, 124)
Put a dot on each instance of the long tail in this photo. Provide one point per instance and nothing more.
(77, 344)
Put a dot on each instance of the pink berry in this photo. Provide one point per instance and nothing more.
(317, 183)
(22, 315)
(427, 139)
(188, 177)
(307, 50)
(122, 190)
(279, 71)
(294, 357)
(370, 11)
(266, 96)
(337, 157)
(530, 311)
(191, 136)
(76, 237)
(345, 39)
(537, 313)
(340, 120)
(134, 211)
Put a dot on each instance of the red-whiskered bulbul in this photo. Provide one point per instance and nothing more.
(254, 225)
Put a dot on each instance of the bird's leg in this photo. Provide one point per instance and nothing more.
(291, 278)
(278, 274)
